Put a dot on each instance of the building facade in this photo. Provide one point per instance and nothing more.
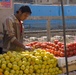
(54, 1)
(23, 1)
(46, 1)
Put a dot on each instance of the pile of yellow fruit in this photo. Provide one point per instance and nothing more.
(38, 62)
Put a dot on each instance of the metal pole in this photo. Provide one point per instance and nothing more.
(48, 30)
(64, 35)
(68, 2)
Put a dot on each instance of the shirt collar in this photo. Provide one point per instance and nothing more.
(14, 17)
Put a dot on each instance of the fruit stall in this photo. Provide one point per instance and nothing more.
(38, 62)
(57, 49)
(46, 58)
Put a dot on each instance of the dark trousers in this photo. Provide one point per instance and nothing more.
(1, 49)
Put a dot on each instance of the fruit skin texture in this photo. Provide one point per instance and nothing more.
(28, 63)
(56, 48)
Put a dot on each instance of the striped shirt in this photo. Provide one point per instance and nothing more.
(12, 30)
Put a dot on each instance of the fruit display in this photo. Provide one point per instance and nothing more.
(37, 62)
(37, 37)
(56, 48)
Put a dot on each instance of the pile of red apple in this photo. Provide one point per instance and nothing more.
(56, 48)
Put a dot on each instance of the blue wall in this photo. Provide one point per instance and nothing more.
(40, 10)
(49, 10)
(69, 10)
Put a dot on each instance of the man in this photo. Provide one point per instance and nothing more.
(13, 30)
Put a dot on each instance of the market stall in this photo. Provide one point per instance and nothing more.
(46, 58)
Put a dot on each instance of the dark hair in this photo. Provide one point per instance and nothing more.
(24, 9)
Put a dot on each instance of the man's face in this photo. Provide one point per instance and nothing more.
(24, 16)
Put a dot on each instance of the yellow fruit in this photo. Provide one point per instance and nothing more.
(38, 71)
(20, 63)
(23, 67)
(12, 59)
(38, 62)
(1, 70)
(42, 70)
(9, 53)
(7, 69)
(7, 57)
(0, 61)
(15, 67)
(17, 59)
(31, 67)
(14, 63)
(7, 61)
(6, 72)
(46, 70)
(43, 66)
(24, 63)
(26, 71)
(27, 67)
(31, 71)
(45, 58)
(17, 72)
(4, 62)
(4, 55)
(3, 66)
(11, 74)
(36, 67)
(21, 72)
(12, 71)
(9, 65)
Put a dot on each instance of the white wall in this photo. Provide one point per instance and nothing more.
(3, 14)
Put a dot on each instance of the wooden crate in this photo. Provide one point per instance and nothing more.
(62, 63)
(70, 73)
(71, 67)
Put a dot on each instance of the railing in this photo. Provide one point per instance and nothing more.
(48, 26)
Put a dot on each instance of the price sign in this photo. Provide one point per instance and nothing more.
(4, 4)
